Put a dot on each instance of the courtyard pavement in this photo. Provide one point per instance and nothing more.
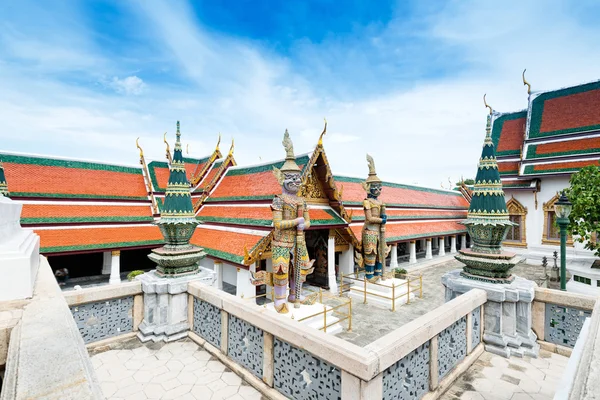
(493, 377)
(132, 370)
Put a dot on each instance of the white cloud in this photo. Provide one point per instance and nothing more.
(130, 85)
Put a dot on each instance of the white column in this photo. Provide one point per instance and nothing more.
(413, 252)
(434, 242)
(442, 247)
(463, 241)
(394, 257)
(218, 267)
(244, 286)
(347, 261)
(106, 261)
(453, 244)
(115, 267)
(332, 281)
(428, 252)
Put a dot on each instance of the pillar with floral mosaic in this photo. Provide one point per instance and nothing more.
(3, 184)
(488, 222)
(177, 223)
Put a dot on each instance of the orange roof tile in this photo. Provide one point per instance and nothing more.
(403, 214)
(415, 230)
(225, 245)
(559, 167)
(68, 213)
(402, 195)
(42, 177)
(508, 168)
(97, 238)
(508, 133)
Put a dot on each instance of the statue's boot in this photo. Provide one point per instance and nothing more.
(370, 273)
(280, 303)
(378, 269)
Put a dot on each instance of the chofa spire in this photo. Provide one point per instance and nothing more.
(178, 202)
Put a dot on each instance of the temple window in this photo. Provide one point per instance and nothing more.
(582, 279)
(516, 235)
(551, 232)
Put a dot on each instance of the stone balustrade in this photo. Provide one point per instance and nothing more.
(107, 313)
(285, 359)
(558, 318)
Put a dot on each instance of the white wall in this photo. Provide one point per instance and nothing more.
(229, 274)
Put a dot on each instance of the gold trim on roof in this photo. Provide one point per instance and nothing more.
(487, 105)
(526, 83)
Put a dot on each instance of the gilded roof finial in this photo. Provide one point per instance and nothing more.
(323, 133)
(178, 132)
(231, 148)
(526, 83)
(218, 142)
(137, 144)
(487, 105)
(167, 143)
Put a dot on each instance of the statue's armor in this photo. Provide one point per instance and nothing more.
(285, 212)
(371, 231)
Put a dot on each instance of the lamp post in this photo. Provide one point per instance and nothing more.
(562, 208)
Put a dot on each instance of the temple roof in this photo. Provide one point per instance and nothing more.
(3, 184)
(227, 243)
(565, 111)
(409, 230)
(508, 133)
(562, 136)
(400, 195)
(250, 183)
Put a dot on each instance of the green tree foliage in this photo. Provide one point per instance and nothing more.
(584, 193)
(466, 182)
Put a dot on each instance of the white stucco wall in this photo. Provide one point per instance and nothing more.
(229, 274)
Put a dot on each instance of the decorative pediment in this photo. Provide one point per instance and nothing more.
(549, 205)
(515, 207)
(313, 189)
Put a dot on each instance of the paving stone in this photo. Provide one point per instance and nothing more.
(137, 396)
(187, 378)
(471, 396)
(225, 392)
(208, 377)
(177, 392)
(133, 365)
(108, 388)
(201, 392)
(143, 376)
(231, 378)
(173, 383)
(249, 393)
(216, 366)
(154, 390)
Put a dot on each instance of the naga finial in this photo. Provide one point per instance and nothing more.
(137, 144)
(323, 133)
(487, 105)
(526, 83)
(167, 143)
(231, 148)
(218, 142)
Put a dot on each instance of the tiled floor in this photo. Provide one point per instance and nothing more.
(496, 378)
(178, 370)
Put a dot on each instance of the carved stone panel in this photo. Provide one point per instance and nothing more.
(452, 346)
(302, 376)
(476, 327)
(104, 319)
(245, 345)
(207, 322)
(408, 378)
(563, 324)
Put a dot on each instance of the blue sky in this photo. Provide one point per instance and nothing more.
(402, 80)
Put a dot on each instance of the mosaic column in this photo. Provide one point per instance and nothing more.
(413, 252)
(428, 252)
(331, 278)
(115, 268)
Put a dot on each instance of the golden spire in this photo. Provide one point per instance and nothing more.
(487, 105)
(137, 144)
(231, 149)
(323, 133)
(526, 83)
(167, 143)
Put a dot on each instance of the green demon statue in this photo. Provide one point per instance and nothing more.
(290, 258)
